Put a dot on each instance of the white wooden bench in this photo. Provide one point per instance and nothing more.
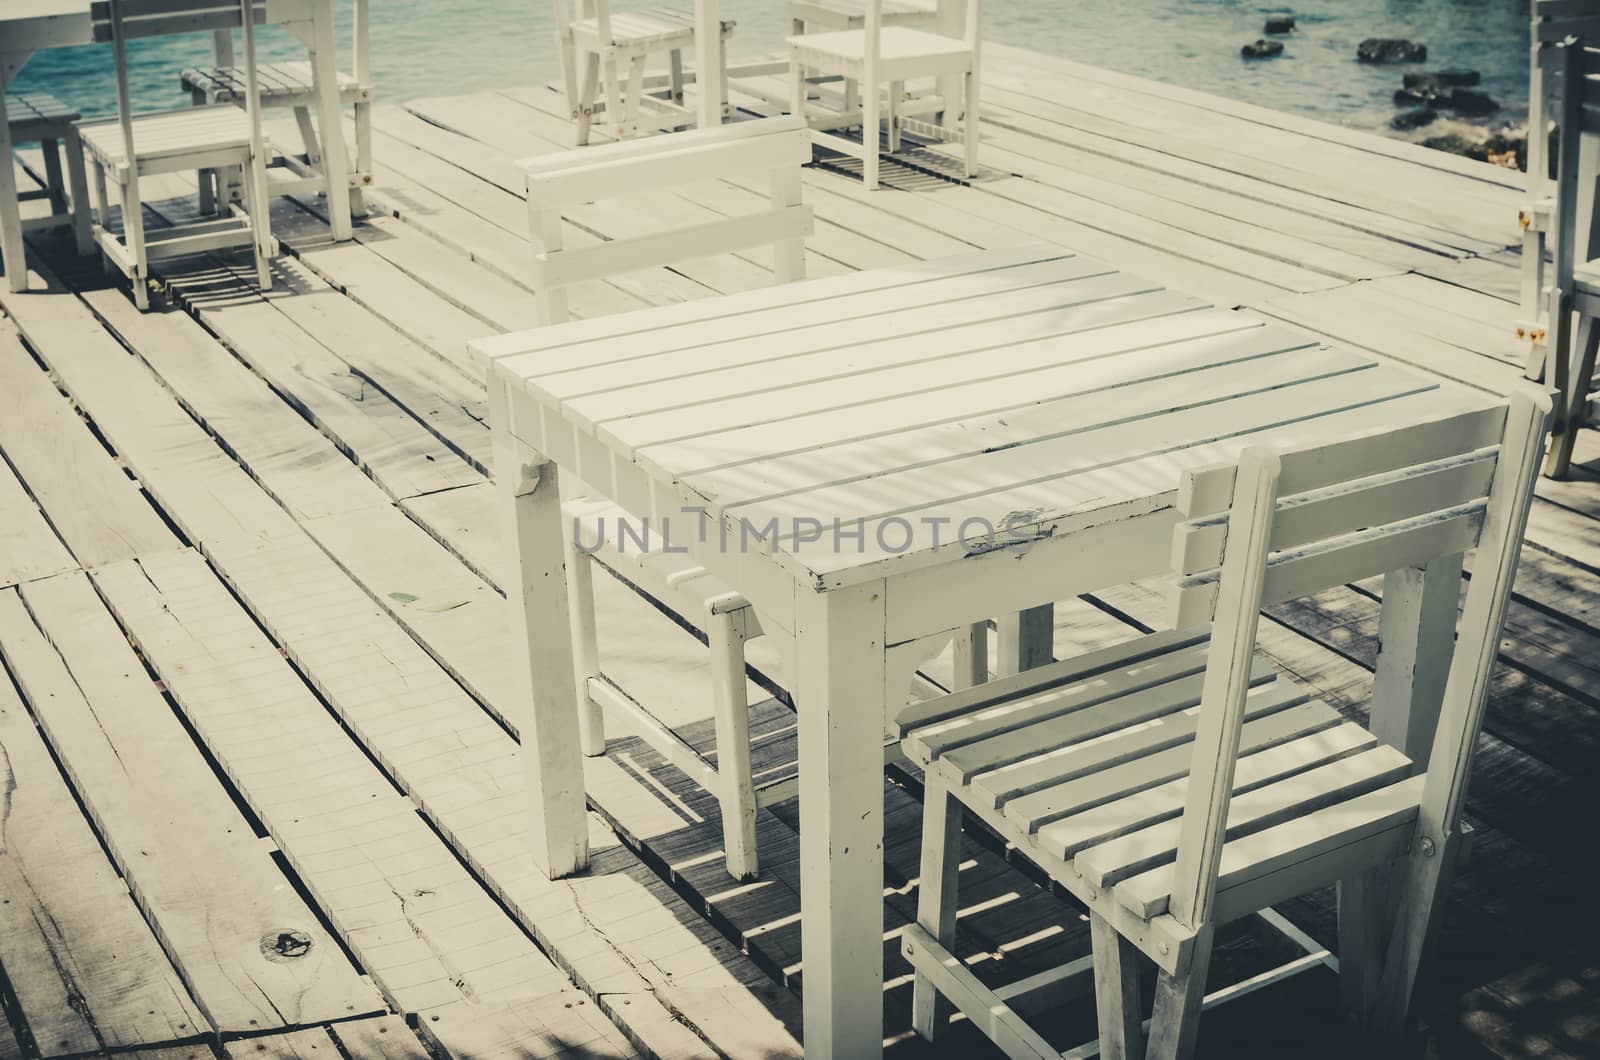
(38, 117)
(614, 47)
(294, 84)
(776, 147)
(214, 137)
(1174, 782)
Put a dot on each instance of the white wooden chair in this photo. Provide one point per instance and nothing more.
(297, 85)
(882, 54)
(1552, 22)
(1173, 783)
(614, 48)
(1570, 289)
(38, 117)
(132, 145)
(777, 147)
(831, 16)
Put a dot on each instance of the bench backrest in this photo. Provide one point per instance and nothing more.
(777, 147)
(120, 21)
(1279, 526)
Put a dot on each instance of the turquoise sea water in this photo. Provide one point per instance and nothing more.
(439, 47)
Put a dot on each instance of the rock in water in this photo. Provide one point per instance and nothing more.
(1279, 24)
(1420, 96)
(1469, 101)
(1262, 49)
(1390, 50)
(1441, 78)
(1414, 119)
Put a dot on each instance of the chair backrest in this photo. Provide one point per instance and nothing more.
(1573, 101)
(555, 182)
(120, 21)
(970, 30)
(1278, 526)
(1553, 22)
(570, 11)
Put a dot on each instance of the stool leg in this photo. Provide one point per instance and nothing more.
(936, 895)
(731, 707)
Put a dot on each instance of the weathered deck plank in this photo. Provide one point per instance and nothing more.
(87, 971)
(251, 953)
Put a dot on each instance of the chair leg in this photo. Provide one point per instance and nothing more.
(102, 202)
(78, 184)
(591, 86)
(133, 239)
(614, 111)
(936, 895)
(896, 91)
(585, 642)
(1579, 378)
(797, 88)
(635, 97)
(676, 61)
(358, 200)
(1365, 908)
(52, 175)
(1116, 991)
(569, 71)
(969, 124)
(1422, 886)
(870, 98)
(1175, 1020)
(732, 719)
(971, 655)
(259, 209)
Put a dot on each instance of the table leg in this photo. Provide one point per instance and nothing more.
(529, 498)
(330, 114)
(839, 686)
(1417, 631)
(1026, 639)
(708, 60)
(11, 248)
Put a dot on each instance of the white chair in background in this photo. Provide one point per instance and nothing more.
(880, 54)
(131, 146)
(1172, 783)
(776, 148)
(613, 48)
(38, 117)
(831, 16)
(1570, 287)
(299, 85)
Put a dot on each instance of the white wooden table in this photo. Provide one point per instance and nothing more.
(29, 25)
(1033, 391)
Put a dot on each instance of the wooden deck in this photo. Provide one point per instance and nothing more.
(262, 795)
